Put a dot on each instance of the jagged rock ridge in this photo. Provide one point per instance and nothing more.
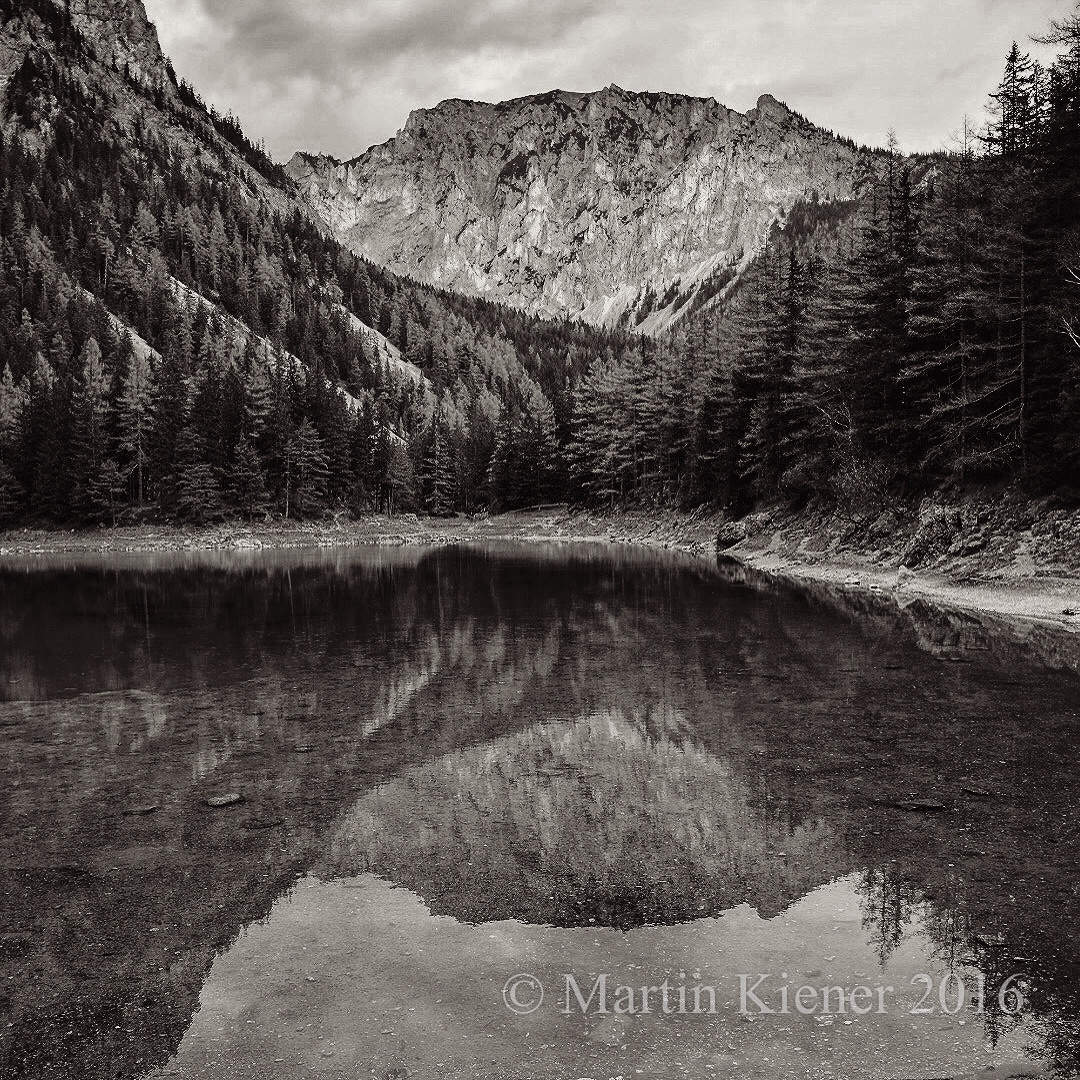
(598, 205)
(116, 31)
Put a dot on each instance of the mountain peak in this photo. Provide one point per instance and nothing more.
(115, 33)
(769, 108)
(587, 204)
(120, 32)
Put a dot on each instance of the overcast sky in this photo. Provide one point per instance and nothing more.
(341, 75)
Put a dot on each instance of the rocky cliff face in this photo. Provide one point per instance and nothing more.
(604, 205)
(121, 33)
(117, 32)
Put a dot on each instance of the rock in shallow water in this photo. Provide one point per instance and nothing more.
(926, 806)
(229, 799)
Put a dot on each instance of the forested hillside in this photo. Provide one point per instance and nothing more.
(923, 337)
(179, 340)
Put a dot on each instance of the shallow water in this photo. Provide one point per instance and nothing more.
(604, 770)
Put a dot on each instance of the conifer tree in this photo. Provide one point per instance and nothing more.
(168, 402)
(247, 484)
(400, 479)
(306, 473)
(1014, 121)
(13, 400)
(133, 420)
(89, 436)
(768, 334)
(12, 496)
(106, 494)
(197, 491)
(438, 479)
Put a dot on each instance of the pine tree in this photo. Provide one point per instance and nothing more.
(197, 492)
(12, 495)
(247, 483)
(768, 337)
(44, 441)
(133, 416)
(105, 498)
(13, 401)
(717, 432)
(89, 438)
(1014, 121)
(438, 480)
(169, 397)
(400, 479)
(879, 303)
(335, 434)
(474, 450)
(306, 473)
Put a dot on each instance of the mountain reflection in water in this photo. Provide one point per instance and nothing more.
(565, 737)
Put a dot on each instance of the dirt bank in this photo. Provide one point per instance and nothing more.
(1007, 556)
(688, 532)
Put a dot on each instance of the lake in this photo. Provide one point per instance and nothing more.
(552, 811)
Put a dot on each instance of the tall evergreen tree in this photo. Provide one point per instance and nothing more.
(306, 473)
(197, 490)
(247, 485)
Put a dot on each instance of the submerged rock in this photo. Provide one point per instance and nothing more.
(925, 806)
(217, 802)
(257, 822)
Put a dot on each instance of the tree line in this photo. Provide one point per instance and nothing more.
(925, 336)
(177, 339)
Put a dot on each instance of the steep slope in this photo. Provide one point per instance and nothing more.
(177, 332)
(611, 205)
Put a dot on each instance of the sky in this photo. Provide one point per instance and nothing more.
(338, 76)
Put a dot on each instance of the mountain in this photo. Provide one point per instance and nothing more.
(179, 338)
(116, 33)
(188, 333)
(613, 206)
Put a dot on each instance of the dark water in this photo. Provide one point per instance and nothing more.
(464, 765)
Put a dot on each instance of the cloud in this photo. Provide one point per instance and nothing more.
(341, 75)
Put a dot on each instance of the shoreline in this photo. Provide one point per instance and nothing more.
(1023, 592)
(1047, 600)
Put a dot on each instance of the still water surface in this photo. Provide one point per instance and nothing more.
(672, 798)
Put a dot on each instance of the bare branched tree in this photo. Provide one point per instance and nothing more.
(1073, 277)
(1062, 31)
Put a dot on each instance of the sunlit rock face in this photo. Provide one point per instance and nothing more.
(606, 205)
(110, 33)
(120, 33)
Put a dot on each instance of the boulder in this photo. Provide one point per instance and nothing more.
(938, 529)
(729, 534)
(884, 526)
